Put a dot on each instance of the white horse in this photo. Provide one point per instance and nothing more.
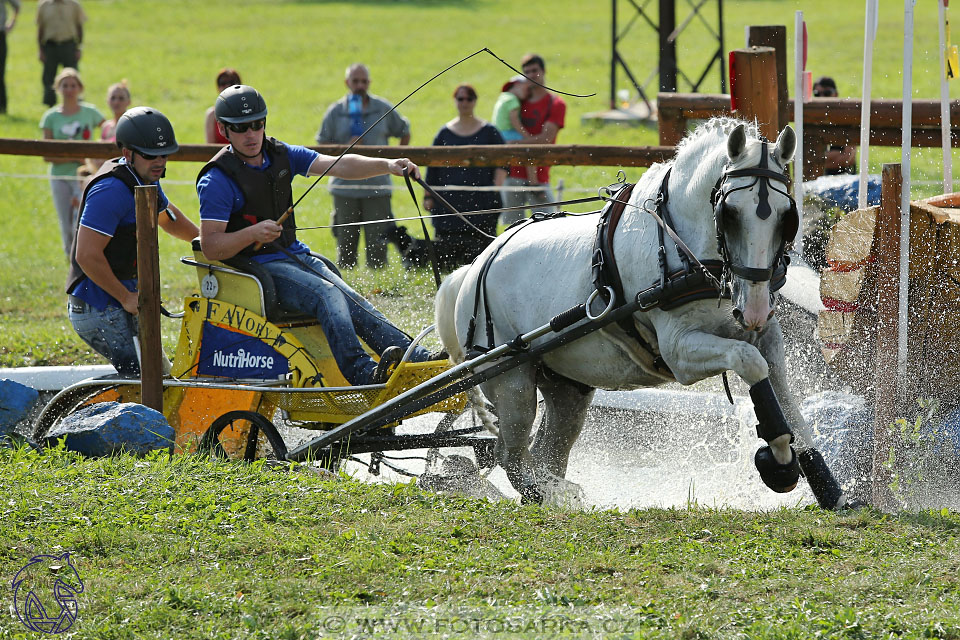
(542, 268)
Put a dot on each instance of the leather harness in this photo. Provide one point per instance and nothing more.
(697, 280)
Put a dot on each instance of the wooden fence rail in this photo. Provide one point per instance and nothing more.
(462, 156)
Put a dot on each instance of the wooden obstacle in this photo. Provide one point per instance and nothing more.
(859, 328)
(851, 291)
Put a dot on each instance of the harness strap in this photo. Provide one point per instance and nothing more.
(604, 267)
(606, 274)
(480, 295)
(662, 200)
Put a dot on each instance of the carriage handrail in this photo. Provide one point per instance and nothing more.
(497, 155)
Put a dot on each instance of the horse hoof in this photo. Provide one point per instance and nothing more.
(854, 505)
(560, 492)
(531, 494)
(781, 478)
(825, 487)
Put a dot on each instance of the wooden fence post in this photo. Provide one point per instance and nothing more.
(776, 37)
(148, 287)
(754, 91)
(887, 388)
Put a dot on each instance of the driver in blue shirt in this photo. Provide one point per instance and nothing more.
(246, 188)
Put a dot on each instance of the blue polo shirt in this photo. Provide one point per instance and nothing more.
(109, 204)
(220, 196)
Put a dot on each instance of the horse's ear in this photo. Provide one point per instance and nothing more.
(786, 145)
(736, 143)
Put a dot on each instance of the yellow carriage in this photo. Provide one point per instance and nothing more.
(242, 365)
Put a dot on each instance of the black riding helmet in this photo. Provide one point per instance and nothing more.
(240, 103)
(146, 130)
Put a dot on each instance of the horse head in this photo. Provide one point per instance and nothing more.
(756, 219)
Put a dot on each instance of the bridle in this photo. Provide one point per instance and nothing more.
(718, 196)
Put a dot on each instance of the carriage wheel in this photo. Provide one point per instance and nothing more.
(258, 424)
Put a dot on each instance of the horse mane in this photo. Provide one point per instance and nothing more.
(703, 152)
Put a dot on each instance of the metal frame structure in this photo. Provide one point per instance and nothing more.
(668, 32)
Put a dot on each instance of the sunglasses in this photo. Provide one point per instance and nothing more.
(465, 99)
(240, 127)
(146, 157)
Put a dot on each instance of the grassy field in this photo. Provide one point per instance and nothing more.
(187, 548)
(295, 53)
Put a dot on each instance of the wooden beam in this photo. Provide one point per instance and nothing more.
(753, 81)
(148, 289)
(886, 252)
(462, 156)
(775, 37)
(819, 111)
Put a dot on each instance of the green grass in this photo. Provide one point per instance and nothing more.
(295, 53)
(190, 548)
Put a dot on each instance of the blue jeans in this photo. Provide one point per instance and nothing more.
(109, 332)
(308, 286)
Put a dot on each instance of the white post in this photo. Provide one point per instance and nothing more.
(869, 33)
(907, 125)
(798, 94)
(945, 103)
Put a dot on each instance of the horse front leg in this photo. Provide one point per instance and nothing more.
(822, 482)
(696, 355)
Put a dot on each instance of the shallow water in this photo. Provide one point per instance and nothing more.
(617, 467)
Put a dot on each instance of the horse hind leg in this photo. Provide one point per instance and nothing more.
(514, 395)
(565, 405)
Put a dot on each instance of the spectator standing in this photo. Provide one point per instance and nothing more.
(5, 27)
(226, 77)
(118, 99)
(361, 200)
(457, 242)
(840, 158)
(60, 38)
(244, 191)
(543, 116)
(102, 285)
(72, 120)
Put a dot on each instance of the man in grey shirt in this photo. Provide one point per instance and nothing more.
(361, 200)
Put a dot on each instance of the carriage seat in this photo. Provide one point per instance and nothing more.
(243, 281)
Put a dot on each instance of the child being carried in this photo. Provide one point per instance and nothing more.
(506, 115)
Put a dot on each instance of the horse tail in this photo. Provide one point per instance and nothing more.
(483, 410)
(445, 316)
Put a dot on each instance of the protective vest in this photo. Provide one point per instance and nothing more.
(121, 250)
(268, 193)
